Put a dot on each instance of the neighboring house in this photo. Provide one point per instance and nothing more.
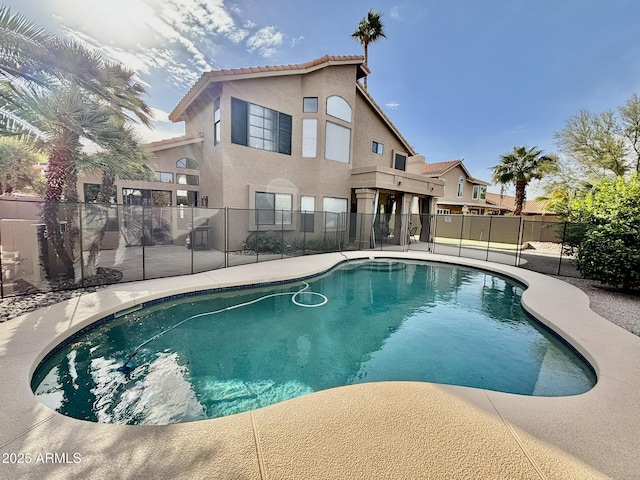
(463, 194)
(507, 203)
(279, 140)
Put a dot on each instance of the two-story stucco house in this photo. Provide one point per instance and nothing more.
(285, 139)
(463, 194)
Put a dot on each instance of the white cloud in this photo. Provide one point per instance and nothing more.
(266, 41)
(392, 105)
(395, 13)
(297, 40)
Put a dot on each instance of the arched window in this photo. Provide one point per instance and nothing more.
(339, 108)
(187, 163)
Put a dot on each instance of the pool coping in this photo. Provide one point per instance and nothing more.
(388, 429)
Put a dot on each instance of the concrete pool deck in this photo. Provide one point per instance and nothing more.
(378, 430)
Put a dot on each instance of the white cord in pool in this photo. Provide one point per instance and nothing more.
(126, 367)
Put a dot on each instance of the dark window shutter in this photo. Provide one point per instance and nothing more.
(284, 134)
(239, 112)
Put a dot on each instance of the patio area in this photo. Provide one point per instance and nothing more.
(376, 430)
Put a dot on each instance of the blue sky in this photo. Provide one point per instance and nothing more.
(460, 78)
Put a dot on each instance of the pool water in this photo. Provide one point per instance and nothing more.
(218, 354)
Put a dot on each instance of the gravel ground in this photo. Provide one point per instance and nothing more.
(623, 309)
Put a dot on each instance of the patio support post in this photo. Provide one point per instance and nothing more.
(366, 206)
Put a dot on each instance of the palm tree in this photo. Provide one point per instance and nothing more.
(370, 29)
(521, 166)
(63, 95)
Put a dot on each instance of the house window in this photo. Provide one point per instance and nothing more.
(139, 196)
(216, 121)
(307, 215)
(187, 198)
(310, 104)
(259, 127)
(339, 108)
(309, 137)
(483, 193)
(189, 163)
(335, 214)
(400, 162)
(164, 177)
(184, 179)
(377, 148)
(337, 142)
(460, 186)
(443, 211)
(273, 208)
(476, 192)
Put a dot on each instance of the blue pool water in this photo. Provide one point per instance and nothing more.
(218, 354)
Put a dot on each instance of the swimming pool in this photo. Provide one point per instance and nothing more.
(215, 355)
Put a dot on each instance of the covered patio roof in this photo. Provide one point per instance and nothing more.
(384, 178)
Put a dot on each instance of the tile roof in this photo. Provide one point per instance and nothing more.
(439, 168)
(531, 207)
(322, 61)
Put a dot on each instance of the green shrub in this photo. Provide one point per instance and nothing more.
(317, 244)
(610, 253)
(265, 242)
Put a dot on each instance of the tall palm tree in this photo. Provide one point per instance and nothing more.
(519, 167)
(63, 94)
(70, 117)
(370, 29)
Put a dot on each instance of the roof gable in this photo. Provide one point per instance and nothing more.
(208, 78)
(438, 169)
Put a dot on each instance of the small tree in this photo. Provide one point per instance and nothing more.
(610, 250)
(519, 167)
(16, 168)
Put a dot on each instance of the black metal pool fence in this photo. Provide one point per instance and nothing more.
(93, 244)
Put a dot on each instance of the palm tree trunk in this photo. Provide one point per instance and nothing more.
(521, 186)
(366, 61)
(57, 178)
